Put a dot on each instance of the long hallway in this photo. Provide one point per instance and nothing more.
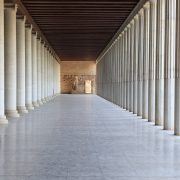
(84, 137)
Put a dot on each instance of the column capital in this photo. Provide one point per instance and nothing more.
(28, 25)
(10, 4)
(141, 12)
(147, 5)
(153, 1)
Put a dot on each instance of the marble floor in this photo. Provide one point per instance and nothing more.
(84, 137)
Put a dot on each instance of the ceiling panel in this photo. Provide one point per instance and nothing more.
(79, 30)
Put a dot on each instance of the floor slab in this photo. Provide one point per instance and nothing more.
(84, 137)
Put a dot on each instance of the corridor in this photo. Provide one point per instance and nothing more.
(84, 137)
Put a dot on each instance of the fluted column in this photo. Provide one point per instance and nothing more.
(152, 60)
(135, 63)
(34, 70)
(128, 68)
(125, 68)
(177, 72)
(159, 86)
(140, 62)
(169, 73)
(48, 73)
(10, 60)
(39, 70)
(20, 33)
(3, 119)
(145, 62)
(28, 53)
(131, 103)
(42, 72)
(119, 70)
(45, 73)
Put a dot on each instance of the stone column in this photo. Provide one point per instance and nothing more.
(135, 63)
(159, 86)
(28, 53)
(119, 70)
(3, 119)
(10, 60)
(145, 62)
(177, 73)
(45, 72)
(34, 70)
(169, 65)
(128, 68)
(152, 60)
(140, 62)
(42, 72)
(48, 74)
(20, 33)
(122, 72)
(39, 70)
(131, 66)
(125, 68)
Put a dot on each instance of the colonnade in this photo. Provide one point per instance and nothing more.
(140, 71)
(29, 70)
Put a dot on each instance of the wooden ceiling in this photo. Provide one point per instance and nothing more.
(79, 29)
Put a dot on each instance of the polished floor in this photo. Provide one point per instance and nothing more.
(84, 137)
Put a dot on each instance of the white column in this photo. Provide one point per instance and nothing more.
(122, 71)
(128, 68)
(28, 52)
(39, 70)
(152, 60)
(10, 61)
(48, 74)
(125, 68)
(145, 62)
(140, 62)
(3, 119)
(169, 71)
(131, 65)
(20, 33)
(42, 72)
(45, 73)
(159, 86)
(177, 73)
(135, 63)
(34, 70)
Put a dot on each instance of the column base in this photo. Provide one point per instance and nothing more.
(35, 104)
(12, 113)
(3, 120)
(40, 102)
(44, 101)
(22, 110)
(29, 107)
(47, 99)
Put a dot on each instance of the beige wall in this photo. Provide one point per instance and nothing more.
(75, 73)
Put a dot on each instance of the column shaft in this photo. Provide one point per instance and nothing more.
(3, 119)
(135, 63)
(10, 61)
(145, 62)
(169, 65)
(20, 33)
(28, 44)
(140, 62)
(177, 72)
(159, 86)
(34, 71)
(152, 60)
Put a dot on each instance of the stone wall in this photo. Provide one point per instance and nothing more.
(75, 73)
